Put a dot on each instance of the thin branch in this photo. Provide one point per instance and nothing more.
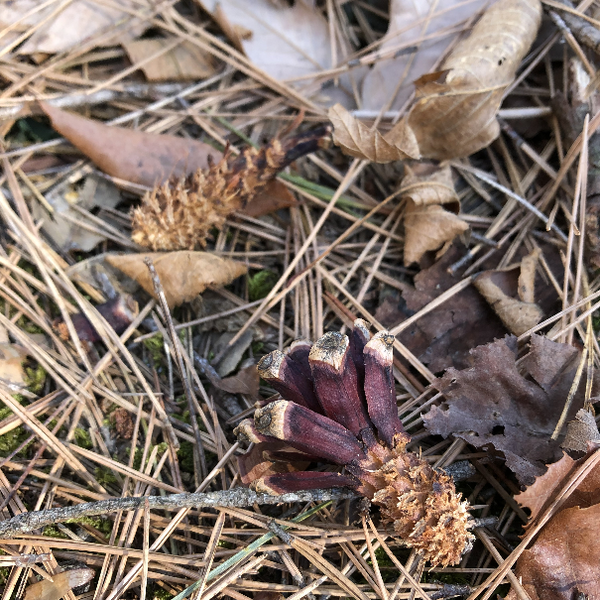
(235, 498)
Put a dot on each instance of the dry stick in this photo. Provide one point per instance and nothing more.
(235, 498)
(525, 203)
(200, 457)
(581, 174)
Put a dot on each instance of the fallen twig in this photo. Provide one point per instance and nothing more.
(235, 498)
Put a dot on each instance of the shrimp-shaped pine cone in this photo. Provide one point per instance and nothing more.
(338, 406)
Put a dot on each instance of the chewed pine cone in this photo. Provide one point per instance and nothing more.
(338, 405)
(179, 215)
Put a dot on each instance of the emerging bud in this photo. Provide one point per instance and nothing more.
(379, 386)
(288, 377)
(312, 433)
(336, 381)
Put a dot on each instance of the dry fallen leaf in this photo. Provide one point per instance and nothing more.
(427, 224)
(283, 41)
(69, 25)
(245, 381)
(580, 432)
(432, 26)
(135, 156)
(11, 364)
(272, 197)
(356, 139)
(183, 274)
(512, 410)
(454, 113)
(428, 228)
(500, 287)
(69, 228)
(183, 62)
(445, 336)
(61, 584)
(563, 560)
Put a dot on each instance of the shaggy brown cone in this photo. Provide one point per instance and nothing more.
(179, 215)
(339, 406)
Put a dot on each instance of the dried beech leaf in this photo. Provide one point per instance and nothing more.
(183, 274)
(454, 113)
(418, 23)
(430, 187)
(135, 156)
(563, 560)
(357, 140)
(538, 496)
(281, 40)
(493, 404)
(428, 228)
(518, 316)
(183, 62)
(61, 584)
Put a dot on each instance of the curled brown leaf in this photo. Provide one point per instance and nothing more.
(427, 224)
(357, 140)
(454, 113)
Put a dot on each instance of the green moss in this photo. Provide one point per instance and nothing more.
(104, 526)
(35, 378)
(159, 593)
(31, 129)
(156, 348)
(54, 531)
(185, 455)
(137, 459)
(83, 438)
(260, 284)
(104, 476)
(10, 441)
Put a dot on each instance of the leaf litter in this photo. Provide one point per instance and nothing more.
(137, 397)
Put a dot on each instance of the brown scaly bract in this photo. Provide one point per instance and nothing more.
(179, 215)
(338, 406)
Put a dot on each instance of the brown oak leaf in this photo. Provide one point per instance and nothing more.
(563, 560)
(508, 407)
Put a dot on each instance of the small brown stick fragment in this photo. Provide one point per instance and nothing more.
(237, 497)
(119, 313)
(310, 432)
(287, 376)
(379, 386)
(199, 456)
(336, 381)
